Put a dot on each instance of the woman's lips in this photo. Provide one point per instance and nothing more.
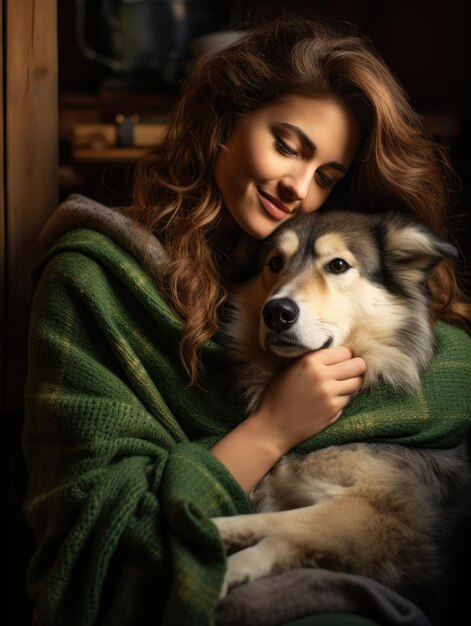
(273, 206)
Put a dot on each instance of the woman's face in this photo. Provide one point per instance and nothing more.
(283, 159)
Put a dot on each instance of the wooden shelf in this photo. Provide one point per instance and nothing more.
(93, 155)
(99, 142)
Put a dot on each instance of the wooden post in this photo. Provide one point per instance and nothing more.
(2, 224)
(31, 165)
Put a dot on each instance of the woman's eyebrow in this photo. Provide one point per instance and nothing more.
(301, 135)
(311, 145)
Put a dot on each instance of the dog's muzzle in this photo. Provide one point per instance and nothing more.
(283, 336)
(280, 316)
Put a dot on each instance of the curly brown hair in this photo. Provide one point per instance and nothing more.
(398, 164)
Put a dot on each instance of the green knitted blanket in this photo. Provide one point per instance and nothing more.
(122, 485)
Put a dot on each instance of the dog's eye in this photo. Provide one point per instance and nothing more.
(337, 266)
(275, 263)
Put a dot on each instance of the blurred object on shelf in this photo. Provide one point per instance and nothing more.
(81, 108)
(125, 125)
(102, 135)
(145, 40)
(100, 142)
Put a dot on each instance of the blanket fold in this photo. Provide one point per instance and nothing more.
(267, 602)
(122, 485)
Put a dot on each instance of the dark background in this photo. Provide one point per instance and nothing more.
(424, 42)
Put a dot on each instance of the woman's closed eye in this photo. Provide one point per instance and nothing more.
(324, 180)
(283, 147)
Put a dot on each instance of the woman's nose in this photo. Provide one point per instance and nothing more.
(296, 186)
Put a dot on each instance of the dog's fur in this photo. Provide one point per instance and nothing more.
(371, 509)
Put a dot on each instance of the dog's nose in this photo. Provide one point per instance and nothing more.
(280, 314)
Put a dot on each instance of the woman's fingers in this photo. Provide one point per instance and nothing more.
(343, 369)
(332, 356)
(348, 369)
(349, 386)
(341, 361)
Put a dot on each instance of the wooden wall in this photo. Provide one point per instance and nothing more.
(28, 193)
(2, 226)
(29, 185)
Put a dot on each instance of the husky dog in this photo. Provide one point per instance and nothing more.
(322, 280)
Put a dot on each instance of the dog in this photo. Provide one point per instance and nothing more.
(327, 279)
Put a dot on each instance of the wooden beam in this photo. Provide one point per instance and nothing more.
(2, 225)
(31, 141)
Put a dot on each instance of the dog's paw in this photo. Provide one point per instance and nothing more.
(235, 532)
(240, 542)
(254, 550)
(245, 566)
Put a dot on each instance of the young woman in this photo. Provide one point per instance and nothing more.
(133, 436)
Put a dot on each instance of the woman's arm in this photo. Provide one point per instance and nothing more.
(119, 499)
(302, 400)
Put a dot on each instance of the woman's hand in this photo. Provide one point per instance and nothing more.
(303, 399)
(309, 395)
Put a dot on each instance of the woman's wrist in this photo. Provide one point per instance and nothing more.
(248, 451)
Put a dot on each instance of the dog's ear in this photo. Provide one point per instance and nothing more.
(412, 246)
(246, 259)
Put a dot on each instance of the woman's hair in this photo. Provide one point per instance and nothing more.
(398, 165)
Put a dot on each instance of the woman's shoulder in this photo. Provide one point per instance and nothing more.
(82, 246)
(88, 268)
(119, 232)
(81, 257)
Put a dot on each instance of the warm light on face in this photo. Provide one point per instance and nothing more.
(284, 158)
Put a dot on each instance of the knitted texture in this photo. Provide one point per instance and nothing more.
(121, 482)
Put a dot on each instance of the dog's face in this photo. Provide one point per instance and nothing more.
(322, 279)
(311, 291)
